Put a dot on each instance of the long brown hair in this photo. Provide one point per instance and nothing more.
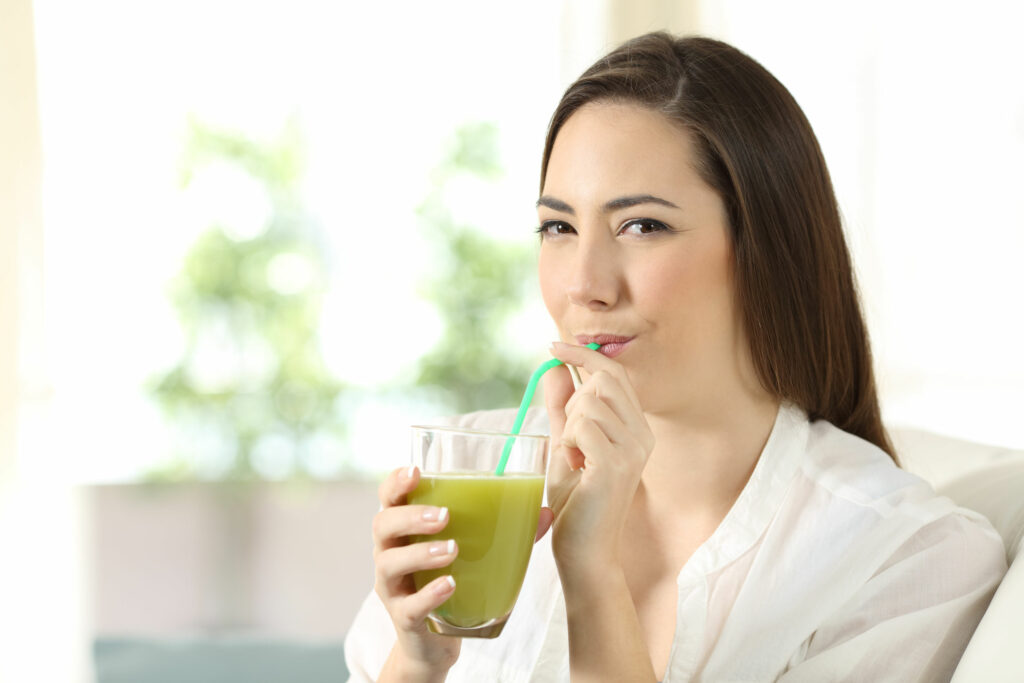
(794, 280)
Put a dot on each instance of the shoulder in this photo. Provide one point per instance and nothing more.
(877, 516)
(898, 570)
(857, 470)
(852, 478)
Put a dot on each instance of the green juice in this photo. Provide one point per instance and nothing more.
(494, 521)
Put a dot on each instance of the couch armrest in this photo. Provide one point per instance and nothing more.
(994, 653)
(997, 491)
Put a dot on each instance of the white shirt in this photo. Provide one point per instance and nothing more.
(832, 565)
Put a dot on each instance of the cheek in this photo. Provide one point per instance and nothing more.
(688, 291)
(665, 287)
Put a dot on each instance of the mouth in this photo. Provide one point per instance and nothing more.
(611, 344)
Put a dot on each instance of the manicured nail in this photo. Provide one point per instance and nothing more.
(435, 514)
(442, 547)
(446, 586)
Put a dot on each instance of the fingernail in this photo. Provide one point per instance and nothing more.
(446, 586)
(411, 471)
(442, 547)
(435, 514)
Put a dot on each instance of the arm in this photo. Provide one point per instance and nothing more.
(601, 443)
(913, 619)
(605, 639)
(371, 649)
(417, 654)
(400, 667)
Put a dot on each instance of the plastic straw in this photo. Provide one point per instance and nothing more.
(531, 387)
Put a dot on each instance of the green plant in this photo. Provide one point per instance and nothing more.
(250, 392)
(478, 285)
(251, 380)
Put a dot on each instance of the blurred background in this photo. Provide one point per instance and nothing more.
(244, 245)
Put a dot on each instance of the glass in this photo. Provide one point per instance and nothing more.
(493, 519)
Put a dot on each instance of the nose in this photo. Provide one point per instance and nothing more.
(594, 279)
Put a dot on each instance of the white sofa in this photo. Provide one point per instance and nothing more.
(989, 480)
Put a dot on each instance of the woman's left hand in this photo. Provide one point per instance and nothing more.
(601, 442)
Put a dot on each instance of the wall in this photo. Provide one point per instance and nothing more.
(291, 561)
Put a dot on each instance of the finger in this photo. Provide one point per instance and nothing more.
(573, 457)
(410, 612)
(396, 564)
(543, 522)
(563, 462)
(610, 390)
(593, 361)
(594, 441)
(596, 410)
(397, 485)
(558, 389)
(603, 386)
(392, 525)
(559, 490)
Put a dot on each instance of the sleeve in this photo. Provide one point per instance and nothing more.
(913, 619)
(369, 641)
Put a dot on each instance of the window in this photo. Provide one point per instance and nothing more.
(375, 93)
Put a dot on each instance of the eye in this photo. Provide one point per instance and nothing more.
(554, 228)
(644, 226)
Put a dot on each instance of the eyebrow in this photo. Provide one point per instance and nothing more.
(612, 205)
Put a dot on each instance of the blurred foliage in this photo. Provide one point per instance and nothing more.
(250, 396)
(251, 389)
(477, 285)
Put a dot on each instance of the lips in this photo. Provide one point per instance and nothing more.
(611, 344)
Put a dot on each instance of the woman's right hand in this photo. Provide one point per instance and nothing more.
(418, 652)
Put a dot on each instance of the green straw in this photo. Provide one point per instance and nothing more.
(531, 387)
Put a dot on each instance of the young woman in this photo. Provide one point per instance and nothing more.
(726, 504)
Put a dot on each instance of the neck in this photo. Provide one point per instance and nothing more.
(703, 456)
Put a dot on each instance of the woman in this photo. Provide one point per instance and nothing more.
(725, 500)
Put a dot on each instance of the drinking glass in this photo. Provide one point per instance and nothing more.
(492, 518)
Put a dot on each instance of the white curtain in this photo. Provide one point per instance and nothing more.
(41, 570)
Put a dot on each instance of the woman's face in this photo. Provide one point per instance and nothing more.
(636, 245)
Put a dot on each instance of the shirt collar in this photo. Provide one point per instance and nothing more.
(759, 500)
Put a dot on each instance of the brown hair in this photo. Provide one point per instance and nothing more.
(755, 147)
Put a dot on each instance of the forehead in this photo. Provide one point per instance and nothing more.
(620, 148)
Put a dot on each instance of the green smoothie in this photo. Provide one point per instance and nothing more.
(494, 521)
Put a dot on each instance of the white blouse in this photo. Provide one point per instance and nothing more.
(832, 565)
